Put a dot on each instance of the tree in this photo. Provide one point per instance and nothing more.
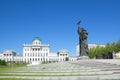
(2, 62)
(91, 53)
(66, 59)
(108, 48)
(99, 50)
(113, 47)
(118, 46)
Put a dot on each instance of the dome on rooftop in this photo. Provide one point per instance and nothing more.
(36, 41)
(37, 38)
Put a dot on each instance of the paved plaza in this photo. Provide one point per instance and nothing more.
(77, 70)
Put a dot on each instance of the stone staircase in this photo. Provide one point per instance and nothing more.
(82, 69)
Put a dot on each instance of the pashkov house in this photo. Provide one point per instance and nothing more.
(34, 53)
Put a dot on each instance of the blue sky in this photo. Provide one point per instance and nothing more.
(55, 22)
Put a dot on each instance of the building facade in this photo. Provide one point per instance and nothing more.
(8, 55)
(11, 56)
(1, 56)
(62, 55)
(35, 53)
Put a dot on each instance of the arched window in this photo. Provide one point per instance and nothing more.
(33, 59)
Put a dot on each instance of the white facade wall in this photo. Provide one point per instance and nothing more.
(1, 56)
(8, 55)
(62, 55)
(53, 57)
(72, 58)
(36, 52)
(18, 58)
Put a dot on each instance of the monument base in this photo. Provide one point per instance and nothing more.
(83, 58)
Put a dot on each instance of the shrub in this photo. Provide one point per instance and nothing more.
(2, 62)
(66, 59)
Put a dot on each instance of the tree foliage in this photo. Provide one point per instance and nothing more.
(66, 59)
(2, 62)
(91, 53)
(109, 48)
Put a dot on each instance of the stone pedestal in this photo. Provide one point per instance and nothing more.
(83, 58)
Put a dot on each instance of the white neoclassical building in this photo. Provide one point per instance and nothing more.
(62, 55)
(38, 52)
(35, 53)
(10, 55)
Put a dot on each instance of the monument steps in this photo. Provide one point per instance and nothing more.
(80, 69)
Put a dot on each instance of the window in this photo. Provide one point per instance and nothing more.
(33, 59)
(33, 54)
(41, 54)
(41, 59)
(38, 59)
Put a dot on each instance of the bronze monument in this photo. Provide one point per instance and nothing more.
(83, 45)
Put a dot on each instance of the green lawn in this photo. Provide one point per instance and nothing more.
(35, 79)
(11, 66)
(14, 79)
